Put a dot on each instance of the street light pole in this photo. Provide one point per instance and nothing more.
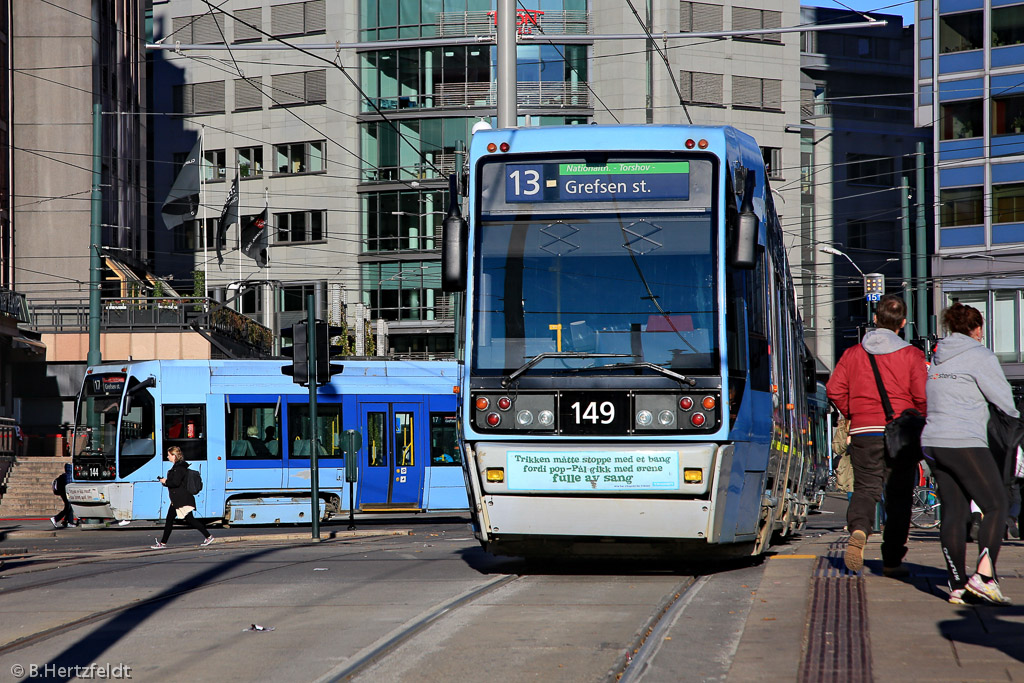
(874, 283)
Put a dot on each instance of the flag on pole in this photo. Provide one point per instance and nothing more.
(182, 203)
(255, 240)
(228, 215)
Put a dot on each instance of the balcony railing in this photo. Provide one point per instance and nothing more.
(529, 94)
(481, 23)
(142, 313)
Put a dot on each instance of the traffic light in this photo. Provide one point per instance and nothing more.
(298, 352)
(325, 351)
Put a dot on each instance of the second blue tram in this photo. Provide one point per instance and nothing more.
(244, 425)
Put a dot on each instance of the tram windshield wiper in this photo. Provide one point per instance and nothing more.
(642, 364)
(513, 376)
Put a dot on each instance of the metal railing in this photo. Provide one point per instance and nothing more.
(8, 438)
(482, 23)
(147, 313)
(529, 94)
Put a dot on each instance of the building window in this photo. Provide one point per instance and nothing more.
(213, 165)
(960, 32)
(748, 19)
(301, 157)
(963, 206)
(248, 24)
(293, 297)
(396, 221)
(298, 18)
(1008, 115)
(248, 93)
(1007, 25)
(856, 235)
(199, 98)
(188, 237)
(756, 93)
(701, 88)
(296, 227)
(866, 169)
(198, 30)
(699, 17)
(1009, 203)
(250, 162)
(409, 290)
(304, 87)
(772, 161)
(961, 120)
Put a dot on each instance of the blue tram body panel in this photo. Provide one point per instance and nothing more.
(626, 382)
(244, 426)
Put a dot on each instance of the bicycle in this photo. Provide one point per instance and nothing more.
(924, 512)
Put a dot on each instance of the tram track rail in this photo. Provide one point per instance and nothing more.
(185, 553)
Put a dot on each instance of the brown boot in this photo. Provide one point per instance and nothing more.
(854, 557)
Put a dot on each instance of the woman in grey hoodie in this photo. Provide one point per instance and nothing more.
(964, 378)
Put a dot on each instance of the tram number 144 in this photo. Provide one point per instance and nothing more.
(594, 412)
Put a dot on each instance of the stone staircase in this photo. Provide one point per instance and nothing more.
(27, 490)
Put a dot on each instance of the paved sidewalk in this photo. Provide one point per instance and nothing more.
(813, 620)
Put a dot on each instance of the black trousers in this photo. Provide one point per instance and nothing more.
(67, 515)
(172, 515)
(963, 475)
(873, 472)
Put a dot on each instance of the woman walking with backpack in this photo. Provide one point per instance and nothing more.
(183, 503)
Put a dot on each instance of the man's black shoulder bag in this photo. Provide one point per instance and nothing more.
(903, 433)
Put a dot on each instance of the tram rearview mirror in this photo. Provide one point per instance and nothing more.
(745, 241)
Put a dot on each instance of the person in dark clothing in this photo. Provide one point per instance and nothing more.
(854, 391)
(183, 503)
(60, 488)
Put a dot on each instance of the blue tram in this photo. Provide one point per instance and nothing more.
(244, 426)
(636, 380)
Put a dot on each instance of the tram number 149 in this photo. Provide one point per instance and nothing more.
(594, 412)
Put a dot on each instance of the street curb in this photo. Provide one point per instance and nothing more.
(34, 533)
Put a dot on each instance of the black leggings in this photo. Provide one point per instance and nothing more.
(172, 515)
(963, 475)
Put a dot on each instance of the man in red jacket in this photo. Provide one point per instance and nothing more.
(854, 391)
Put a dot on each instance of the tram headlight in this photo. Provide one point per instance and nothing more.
(666, 418)
(546, 418)
(495, 475)
(644, 418)
(693, 475)
(524, 418)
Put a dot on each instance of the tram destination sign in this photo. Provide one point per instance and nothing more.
(592, 470)
(582, 182)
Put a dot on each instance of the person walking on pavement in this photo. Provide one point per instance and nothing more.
(965, 376)
(183, 503)
(60, 488)
(854, 391)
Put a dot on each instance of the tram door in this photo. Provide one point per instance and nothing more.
(391, 466)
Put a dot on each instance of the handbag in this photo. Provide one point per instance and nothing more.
(903, 433)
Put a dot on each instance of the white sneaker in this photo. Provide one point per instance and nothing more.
(124, 522)
(53, 521)
(956, 597)
(208, 541)
(158, 545)
(987, 590)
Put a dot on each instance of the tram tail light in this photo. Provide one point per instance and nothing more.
(495, 475)
(482, 403)
(708, 403)
(693, 475)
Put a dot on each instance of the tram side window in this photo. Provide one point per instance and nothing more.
(138, 429)
(444, 449)
(185, 427)
(329, 418)
(253, 432)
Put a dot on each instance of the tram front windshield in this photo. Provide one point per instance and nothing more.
(622, 290)
(97, 417)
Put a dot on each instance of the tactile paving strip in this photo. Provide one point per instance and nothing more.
(838, 648)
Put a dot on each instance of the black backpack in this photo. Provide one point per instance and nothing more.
(193, 482)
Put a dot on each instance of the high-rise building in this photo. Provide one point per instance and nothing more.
(970, 93)
(351, 148)
(858, 147)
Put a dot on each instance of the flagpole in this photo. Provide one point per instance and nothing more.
(238, 226)
(266, 203)
(202, 200)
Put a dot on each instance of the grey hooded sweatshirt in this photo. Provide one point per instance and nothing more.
(964, 377)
